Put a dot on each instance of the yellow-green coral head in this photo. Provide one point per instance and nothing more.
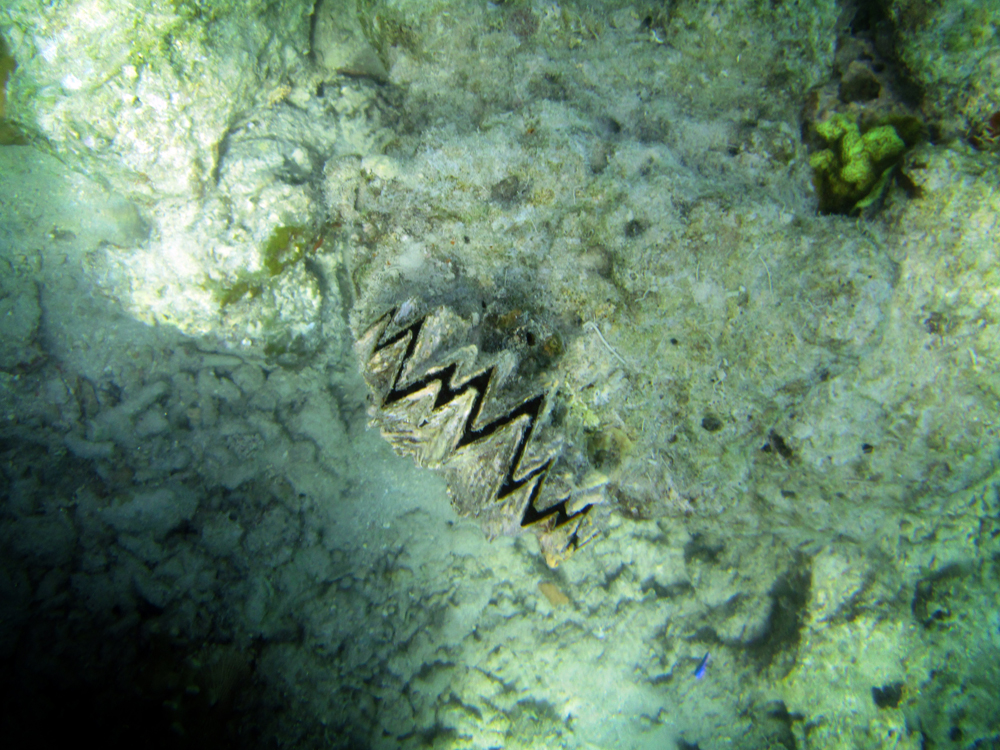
(852, 165)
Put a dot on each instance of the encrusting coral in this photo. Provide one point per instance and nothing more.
(853, 166)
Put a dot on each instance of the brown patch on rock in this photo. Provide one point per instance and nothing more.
(522, 22)
(552, 592)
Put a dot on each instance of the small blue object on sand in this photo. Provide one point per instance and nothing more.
(702, 667)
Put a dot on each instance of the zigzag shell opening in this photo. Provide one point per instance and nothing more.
(465, 396)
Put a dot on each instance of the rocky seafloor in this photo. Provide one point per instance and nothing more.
(775, 344)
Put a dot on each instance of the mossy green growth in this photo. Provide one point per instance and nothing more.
(10, 134)
(286, 246)
(7, 66)
(853, 165)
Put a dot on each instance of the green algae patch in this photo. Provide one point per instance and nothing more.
(10, 134)
(7, 66)
(228, 295)
(853, 171)
(286, 246)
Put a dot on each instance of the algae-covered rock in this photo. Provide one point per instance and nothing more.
(143, 93)
(952, 51)
(852, 165)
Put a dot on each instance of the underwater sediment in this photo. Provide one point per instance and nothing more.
(696, 300)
